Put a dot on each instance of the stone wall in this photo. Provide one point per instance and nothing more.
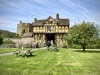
(24, 26)
(23, 42)
(7, 46)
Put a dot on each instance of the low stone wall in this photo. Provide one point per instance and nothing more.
(7, 46)
(24, 42)
(30, 42)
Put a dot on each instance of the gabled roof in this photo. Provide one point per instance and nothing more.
(48, 19)
(59, 22)
(28, 34)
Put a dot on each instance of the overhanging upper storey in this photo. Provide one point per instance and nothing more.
(51, 25)
(58, 21)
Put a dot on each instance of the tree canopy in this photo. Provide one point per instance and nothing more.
(82, 34)
(7, 34)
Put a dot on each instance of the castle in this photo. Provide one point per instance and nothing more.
(44, 30)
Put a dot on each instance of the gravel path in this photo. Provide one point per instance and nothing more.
(13, 52)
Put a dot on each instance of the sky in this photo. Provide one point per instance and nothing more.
(14, 11)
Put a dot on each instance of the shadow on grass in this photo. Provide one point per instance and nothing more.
(26, 56)
(31, 55)
(87, 51)
(53, 50)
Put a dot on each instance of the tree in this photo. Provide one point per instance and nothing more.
(83, 33)
(6, 34)
(1, 40)
(17, 36)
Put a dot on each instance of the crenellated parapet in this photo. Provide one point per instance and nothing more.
(24, 28)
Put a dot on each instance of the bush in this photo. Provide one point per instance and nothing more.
(17, 36)
(97, 46)
(64, 45)
(8, 41)
(76, 46)
(1, 40)
(7, 46)
(90, 47)
(44, 45)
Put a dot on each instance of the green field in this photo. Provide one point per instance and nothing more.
(43, 62)
(8, 50)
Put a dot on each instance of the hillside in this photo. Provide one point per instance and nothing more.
(7, 34)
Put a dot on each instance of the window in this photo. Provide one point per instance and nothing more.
(40, 37)
(62, 38)
(48, 27)
(49, 22)
(23, 31)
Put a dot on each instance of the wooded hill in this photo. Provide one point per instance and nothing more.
(6, 34)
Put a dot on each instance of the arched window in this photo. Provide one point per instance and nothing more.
(23, 31)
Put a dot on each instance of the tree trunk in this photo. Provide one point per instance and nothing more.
(83, 46)
(84, 49)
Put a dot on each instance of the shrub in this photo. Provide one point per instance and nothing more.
(44, 45)
(8, 41)
(90, 47)
(1, 40)
(76, 46)
(64, 45)
(8, 46)
(97, 46)
(17, 36)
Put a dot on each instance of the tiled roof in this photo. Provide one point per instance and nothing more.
(59, 22)
(28, 34)
(63, 22)
(39, 22)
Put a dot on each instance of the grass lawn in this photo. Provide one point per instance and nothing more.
(43, 62)
(7, 50)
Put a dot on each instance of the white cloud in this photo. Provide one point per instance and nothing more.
(22, 8)
(80, 9)
(26, 10)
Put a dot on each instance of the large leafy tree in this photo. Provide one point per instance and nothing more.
(82, 34)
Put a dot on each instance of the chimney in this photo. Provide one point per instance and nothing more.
(57, 16)
(20, 21)
(35, 19)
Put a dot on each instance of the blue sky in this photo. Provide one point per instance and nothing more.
(14, 11)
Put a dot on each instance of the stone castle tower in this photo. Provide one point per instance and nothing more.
(24, 28)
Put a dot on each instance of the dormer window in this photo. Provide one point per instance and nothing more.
(50, 22)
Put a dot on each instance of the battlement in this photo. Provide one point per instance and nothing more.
(23, 24)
